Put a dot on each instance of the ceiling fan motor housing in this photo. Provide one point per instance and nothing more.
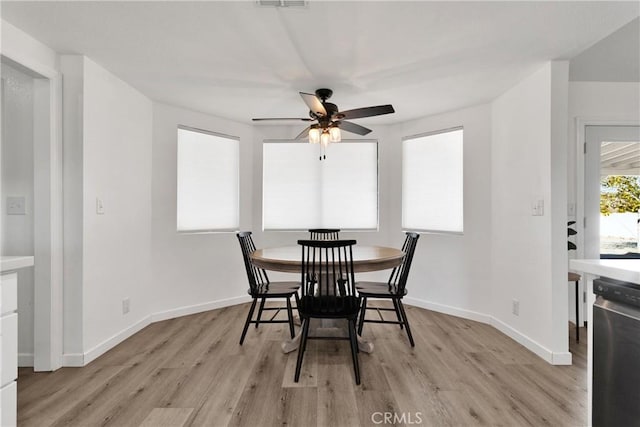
(324, 94)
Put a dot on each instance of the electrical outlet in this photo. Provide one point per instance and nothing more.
(515, 307)
(125, 305)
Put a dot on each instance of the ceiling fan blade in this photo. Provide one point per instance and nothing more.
(353, 128)
(304, 133)
(366, 112)
(283, 118)
(314, 104)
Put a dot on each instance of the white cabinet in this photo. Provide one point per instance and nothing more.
(8, 348)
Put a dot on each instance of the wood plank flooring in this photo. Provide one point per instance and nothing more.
(190, 371)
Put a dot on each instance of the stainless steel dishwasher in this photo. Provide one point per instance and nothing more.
(616, 354)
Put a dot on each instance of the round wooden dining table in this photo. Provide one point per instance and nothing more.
(288, 259)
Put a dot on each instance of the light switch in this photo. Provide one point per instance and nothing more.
(537, 208)
(16, 206)
(99, 206)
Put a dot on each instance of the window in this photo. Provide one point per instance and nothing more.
(432, 181)
(208, 181)
(301, 192)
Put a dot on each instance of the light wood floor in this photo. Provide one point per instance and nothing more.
(191, 371)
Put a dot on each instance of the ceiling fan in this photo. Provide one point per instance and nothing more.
(330, 120)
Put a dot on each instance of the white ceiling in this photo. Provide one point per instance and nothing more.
(615, 58)
(237, 60)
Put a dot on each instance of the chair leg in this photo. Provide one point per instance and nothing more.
(363, 311)
(301, 348)
(246, 323)
(290, 314)
(260, 311)
(298, 305)
(395, 305)
(577, 314)
(354, 349)
(406, 322)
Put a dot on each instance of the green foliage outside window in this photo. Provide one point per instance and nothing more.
(619, 194)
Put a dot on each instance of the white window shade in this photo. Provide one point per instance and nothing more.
(208, 181)
(302, 192)
(432, 182)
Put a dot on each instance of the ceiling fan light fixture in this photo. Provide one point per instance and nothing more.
(325, 138)
(314, 135)
(334, 134)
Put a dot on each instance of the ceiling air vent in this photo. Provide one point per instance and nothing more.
(282, 3)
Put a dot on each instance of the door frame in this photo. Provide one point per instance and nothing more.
(48, 212)
(581, 124)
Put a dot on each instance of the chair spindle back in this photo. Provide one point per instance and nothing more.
(258, 278)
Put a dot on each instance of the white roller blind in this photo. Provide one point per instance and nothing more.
(302, 192)
(208, 181)
(432, 182)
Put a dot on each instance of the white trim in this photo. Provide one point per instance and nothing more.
(114, 340)
(79, 359)
(447, 309)
(198, 308)
(531, 345)
(48, 320)
(563, 358)
(581, 123)
(25, 360)
(73, 360)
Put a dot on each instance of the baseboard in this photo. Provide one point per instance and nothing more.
(563, 358)
(116, 339)
(25, 360)
(73, 360)
(79, 360)
(447, 309)
(198, 308)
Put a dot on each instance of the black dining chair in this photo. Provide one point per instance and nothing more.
(260, 288)
(395, 289)
(324, 233)
(332, 295)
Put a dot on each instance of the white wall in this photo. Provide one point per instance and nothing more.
(117, 148)
(108, 148)
(194, 272)
(526, 257)
(17, 231)
(452, 273)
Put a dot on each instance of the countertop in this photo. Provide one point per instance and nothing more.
(619, 269)
(8, 263)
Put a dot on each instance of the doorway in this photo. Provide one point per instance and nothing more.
(17, 173)
(40, 184)
(611, 191)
